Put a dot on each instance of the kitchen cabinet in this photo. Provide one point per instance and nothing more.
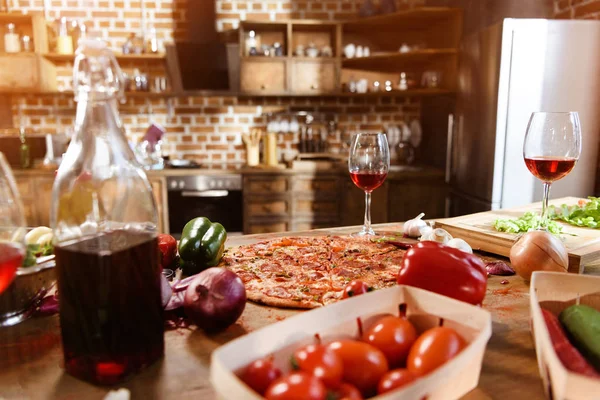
(313, 76)
(35, 189)
(266, 76)
(284, 201)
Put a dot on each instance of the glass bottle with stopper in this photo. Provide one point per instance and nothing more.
(105, 226)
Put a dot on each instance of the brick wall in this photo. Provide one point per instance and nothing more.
(577, 9)
(207, 129)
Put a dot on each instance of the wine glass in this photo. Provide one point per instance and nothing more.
(12, 226)
(551, 148)
(368, 163)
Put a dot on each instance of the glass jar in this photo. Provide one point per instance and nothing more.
(105, 226)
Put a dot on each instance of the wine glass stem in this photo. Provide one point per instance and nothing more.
(545, 204)
(367, 225)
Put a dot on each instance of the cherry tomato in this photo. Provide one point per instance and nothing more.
(354, 288)
(445, 270)
(297, 386)
(347, 391)
(393, 336)
(320, 361)
(394, 379)
(260, 374)
(433, 348)
(364, 364)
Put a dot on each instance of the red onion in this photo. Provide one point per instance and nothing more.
(175, 301)
(499, 268)
(165, 289)
(183, 284)
(215, 299)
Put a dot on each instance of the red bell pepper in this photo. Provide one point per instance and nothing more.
(445, 270)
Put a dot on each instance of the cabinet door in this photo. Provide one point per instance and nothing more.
(263, 76)
(160, 196)
(352, 205)
(409, 198)
(43, 199)
(25, 185)
(313, 76)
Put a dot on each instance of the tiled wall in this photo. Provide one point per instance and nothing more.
(577, 9)
(207, 129)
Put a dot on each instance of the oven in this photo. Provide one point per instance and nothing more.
(217, 197)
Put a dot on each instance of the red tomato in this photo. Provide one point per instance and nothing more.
(393, 336)
(433, 348)
(364, 364)
(320, 361)
(297, 386)
(168, 249)
(354, 288)
(445, 270)
(394, 379)
(347, 391)
(260, 374)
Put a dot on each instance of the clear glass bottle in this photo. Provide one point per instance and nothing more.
(12, 42)
(105, 226)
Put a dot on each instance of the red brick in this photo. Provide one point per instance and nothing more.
(257, 17)
(226, 6)
(316, 15)
(241, 6)
(587, 8)
(106, 14)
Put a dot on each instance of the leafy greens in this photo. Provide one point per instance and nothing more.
(528, 222)
(585, 214)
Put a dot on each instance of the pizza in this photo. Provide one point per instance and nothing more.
(311, 271)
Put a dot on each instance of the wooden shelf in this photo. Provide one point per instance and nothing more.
(419, 92)
(304, 58)
(55, 57)
(19, 54)
(15, 18)
(395, 61)
(416, 18)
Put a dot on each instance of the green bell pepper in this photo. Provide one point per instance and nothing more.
(201, 245)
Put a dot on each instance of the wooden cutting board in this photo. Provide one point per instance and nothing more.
(583, 244)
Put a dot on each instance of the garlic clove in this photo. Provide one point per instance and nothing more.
(460, 244)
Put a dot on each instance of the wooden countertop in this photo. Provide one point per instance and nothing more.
(31, 353)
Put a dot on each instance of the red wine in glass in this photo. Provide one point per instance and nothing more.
(550, 169)
(368, 181)
(11, 258)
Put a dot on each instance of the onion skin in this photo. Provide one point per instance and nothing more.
(538, 251)
(215, 299)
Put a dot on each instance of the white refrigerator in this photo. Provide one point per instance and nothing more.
(506, 72)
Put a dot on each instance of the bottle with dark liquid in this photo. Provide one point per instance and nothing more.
(105, 227)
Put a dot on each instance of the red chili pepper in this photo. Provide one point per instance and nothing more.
(445, 270)
(168, 249)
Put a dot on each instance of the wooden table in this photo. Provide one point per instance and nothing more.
(31, 353)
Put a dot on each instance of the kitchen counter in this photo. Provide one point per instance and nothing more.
(396, 171)
(31, 353)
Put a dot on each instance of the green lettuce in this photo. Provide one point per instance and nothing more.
(528, 222)
(584, 214)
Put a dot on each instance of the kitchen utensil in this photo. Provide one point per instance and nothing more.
(359, 51)
(416, 133)
(252, 141)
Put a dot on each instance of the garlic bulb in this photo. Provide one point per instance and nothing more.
(437, 235)
(412, 227)
(460, 244)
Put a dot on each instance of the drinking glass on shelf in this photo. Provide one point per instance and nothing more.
(368, 164)
(12, 226)
(551, 148)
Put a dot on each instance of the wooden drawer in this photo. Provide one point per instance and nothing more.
(261, 209)
(313, 76)
(316, 207)
(316, 185)
(263, 76)
(268, 227)
(266, 186)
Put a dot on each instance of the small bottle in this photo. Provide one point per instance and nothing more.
(152, 46)
(26, 43)
(104, 220)
(24, 155)
(251, 44)
(64, 42)
(12, 43)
